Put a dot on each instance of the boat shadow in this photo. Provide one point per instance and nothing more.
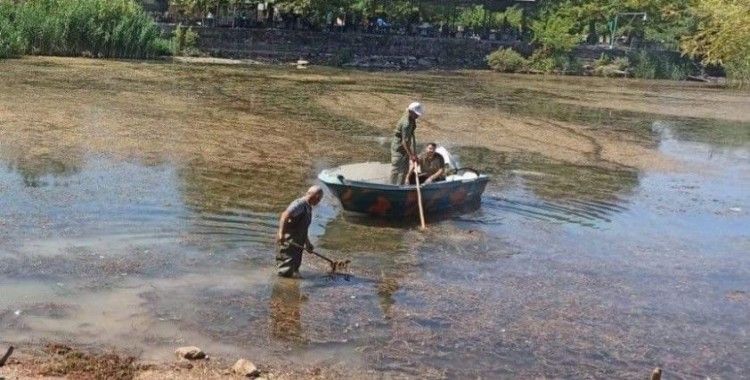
(408, 222)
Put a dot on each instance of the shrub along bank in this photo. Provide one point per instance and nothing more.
(644, 64)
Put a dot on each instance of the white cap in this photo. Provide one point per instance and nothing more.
(417, 108)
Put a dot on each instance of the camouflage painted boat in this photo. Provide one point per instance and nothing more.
(365, 188)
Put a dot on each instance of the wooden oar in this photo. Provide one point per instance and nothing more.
(419, 197)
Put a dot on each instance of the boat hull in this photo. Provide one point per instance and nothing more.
(388, 201)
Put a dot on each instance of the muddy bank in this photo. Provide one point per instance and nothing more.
(55, 360)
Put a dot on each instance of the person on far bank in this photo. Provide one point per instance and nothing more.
(431, 165)
(293, 225)
(404, 145)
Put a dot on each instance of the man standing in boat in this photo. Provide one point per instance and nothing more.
(292, 234)
(404, 145)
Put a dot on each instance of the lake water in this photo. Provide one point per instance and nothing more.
(567, 270)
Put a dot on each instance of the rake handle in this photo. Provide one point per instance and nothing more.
(6, 356)
(313, 252)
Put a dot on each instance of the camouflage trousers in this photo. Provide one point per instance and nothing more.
(399, 167)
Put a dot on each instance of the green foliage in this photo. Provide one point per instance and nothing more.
(666, 22)
(660, 65)
(477, 17)
(12, 43)
(605, 66)
(569, 64)
(101, 28)
(554, 33)
(738, 71)
(722, 36)
(645, 67)
(506, 60)
(541, 62)
(162, 47)
(603, 60)
(183, 40)
(546, 63)
(514, 17)
(621, 63)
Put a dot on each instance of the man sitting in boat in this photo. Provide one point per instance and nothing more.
(431, 164)
(403, 145)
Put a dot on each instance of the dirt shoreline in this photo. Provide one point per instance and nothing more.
(55, 360)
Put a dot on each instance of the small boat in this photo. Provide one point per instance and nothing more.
(365, 188)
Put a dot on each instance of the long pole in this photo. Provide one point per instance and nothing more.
(419, 198)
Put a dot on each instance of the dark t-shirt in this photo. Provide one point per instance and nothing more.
(300, 214)
(431, 166)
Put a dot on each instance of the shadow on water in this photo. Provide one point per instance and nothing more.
(412, 223)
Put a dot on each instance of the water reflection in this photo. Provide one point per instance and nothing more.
(386, 288)
(284, 310)
(45, 169)
(713, 132)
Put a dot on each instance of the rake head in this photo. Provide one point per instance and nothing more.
(340, 266)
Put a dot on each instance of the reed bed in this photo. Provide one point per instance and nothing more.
(98, 28)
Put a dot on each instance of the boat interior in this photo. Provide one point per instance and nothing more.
(380, 173)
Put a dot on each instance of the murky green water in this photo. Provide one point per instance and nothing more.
(565, 271)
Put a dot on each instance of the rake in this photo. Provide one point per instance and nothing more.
(339, 266)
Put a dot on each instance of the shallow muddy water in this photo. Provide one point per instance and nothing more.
(138, 204)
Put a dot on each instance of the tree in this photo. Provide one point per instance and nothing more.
(555, 33)
(666, 20)
(474, 17)
(514, 18)
(722, 36)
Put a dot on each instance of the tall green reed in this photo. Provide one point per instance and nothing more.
(100, 28)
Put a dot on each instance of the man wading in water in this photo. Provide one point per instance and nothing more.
(404, 145)
(293, 225)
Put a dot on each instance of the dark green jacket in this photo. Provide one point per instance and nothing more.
(404, 130)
